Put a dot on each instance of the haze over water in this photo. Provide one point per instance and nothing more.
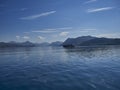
(57, 68)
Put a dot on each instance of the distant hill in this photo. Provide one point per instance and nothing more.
(70, 42)
(89, 40)
(44, 44)
(102, 41)
(57, 43)
(16, 44)
(77, 41)
(28, 44)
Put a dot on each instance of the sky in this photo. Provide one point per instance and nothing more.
(57, 20)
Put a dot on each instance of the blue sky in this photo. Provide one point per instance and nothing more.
(56, 20)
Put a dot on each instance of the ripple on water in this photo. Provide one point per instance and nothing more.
(85, 68)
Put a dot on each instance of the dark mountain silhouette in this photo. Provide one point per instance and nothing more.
(102, 41)
(76, 41)
(89, 41)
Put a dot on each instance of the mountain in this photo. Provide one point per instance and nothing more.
(16, 44)
(89, 41)
(101, 41)
(77, 41)
(42, 44)
(57, 43)
(70, 42)
(28, 44)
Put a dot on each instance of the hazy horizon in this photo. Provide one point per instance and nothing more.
(56, 40)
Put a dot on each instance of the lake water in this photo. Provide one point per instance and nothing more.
(57, 68)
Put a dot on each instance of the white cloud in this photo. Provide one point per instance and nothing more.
(99, 9)
(23, 9)
(51, 30)
(18, 37)
(37, 15)
(41, 38)
(88, 30)
(110, 35)
(90, 1)
(64, 33)
(64, 28)
(26, 37)
(45, 31)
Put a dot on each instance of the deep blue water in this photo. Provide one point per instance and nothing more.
(57, 68)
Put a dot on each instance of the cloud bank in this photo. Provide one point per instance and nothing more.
(26, 37)
(17, 37)
(64, 33)
(41, 38)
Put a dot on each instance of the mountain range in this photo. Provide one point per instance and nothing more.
(90, 41)
(28, 44)
(70, 42)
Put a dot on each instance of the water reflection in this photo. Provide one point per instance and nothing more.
(15, 50)
(91, 52)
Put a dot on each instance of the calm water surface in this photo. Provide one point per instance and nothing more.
(57, 68)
